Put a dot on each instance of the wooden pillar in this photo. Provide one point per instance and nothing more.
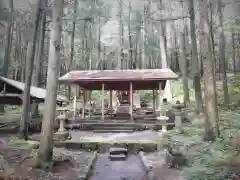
(131, 101)
(90, 107)
(159, 94)
(103, 89)
(84, 104)
(154, 101)
(74, 107)
(111, 101)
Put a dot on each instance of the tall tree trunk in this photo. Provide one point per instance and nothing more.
(211, 119)
(7, 52)
(136, 58)
(98, 43)
(70, 64)
(46, 142)
(39, 54)
(222, 58)
(164, 64)
(121, 36)
(23, 130)
(236, 6)
(213, 40)
(195, 63)
(163, 48)
(183, 62)
(233, 52)
(142, 44)
(130, 66)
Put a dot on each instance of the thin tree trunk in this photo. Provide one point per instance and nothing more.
(222, 56)
(121, 55)
(195, 64)
(142, 44)
(183, 63)
(23, 131)
(233, 53)
(46, 142)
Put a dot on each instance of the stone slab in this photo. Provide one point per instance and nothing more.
(118, 150)
(118, 157)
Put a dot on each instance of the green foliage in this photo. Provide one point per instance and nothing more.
(211, 160)
(233, 90)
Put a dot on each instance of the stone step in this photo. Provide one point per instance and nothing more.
(146, 121)
(114, 127)
(117, 151)
(118, 157)
(113, 131)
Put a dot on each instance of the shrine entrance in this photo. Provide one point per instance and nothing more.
(124, 97)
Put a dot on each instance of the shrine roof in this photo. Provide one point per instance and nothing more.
(119, 75)
(15, 89)
(142, 79)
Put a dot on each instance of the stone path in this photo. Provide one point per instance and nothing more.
(131, 169)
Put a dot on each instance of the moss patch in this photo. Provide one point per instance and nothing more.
(211, 160)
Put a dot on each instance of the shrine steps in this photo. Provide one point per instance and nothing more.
(113, 131)
(106, 126)
(114, 128)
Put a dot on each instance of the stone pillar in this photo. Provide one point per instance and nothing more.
(62, 117)
(162, 118)
(103, 90)
(131, 101)
(178, 120)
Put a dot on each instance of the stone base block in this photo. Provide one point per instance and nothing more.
(62, 136)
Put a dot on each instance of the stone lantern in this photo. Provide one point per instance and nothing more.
(62, 117)
(178, 120)
(62, 134)
(162, 118)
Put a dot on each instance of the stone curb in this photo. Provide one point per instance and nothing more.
(147, 166)
(89, 166)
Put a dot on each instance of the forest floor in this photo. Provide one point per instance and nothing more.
(18, 162)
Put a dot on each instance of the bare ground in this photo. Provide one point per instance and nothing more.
(17, 160)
